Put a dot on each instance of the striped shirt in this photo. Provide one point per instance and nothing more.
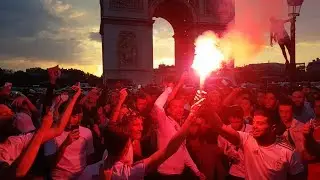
(272, 162)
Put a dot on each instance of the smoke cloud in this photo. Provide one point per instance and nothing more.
(248, 34)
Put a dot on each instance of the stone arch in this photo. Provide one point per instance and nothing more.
(126, 30)
(183, 25)
(155, 3)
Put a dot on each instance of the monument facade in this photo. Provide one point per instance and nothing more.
(126, 30)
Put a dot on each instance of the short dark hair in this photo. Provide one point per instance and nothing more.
(270, 119)
(141, 95)
(115, 140)
(295, 89)
(285, 102)
(128, 118)
(272, 91)
(234, 111)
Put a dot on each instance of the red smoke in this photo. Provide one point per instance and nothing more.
(248, 35)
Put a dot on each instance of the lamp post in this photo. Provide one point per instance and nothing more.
(294, 7)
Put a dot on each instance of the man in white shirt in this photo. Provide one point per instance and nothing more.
(70, 152)
(294, 133)
(265, 155)
(234, 153)
(167, 127)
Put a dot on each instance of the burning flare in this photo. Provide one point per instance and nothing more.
(208, 57)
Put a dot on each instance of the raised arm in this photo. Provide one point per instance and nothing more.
(228, 101)
(162, 99)
(117, 109)
(158, 113)
(56, 131)
(160, 156)
(228, 133)
(28, 156)
(175, 90)
(54, 73)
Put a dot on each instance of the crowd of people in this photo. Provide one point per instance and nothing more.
(160, 132)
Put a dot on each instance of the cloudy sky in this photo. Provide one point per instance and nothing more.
(44, 33)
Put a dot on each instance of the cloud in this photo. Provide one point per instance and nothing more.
(43, 32)
(55, 7)
(25, 24)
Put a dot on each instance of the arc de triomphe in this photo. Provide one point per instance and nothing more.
(126, 30)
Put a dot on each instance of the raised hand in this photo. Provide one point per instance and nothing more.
(77, 87)
(73, 136)
(196, 106)
(199, 95)
(5, 111)
(194, 111)
(61, 98)
(6, 90)
(19, 101)
(123, 94)
(54, 74)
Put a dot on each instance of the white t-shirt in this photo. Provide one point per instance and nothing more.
(166, 129)
(74, 158)
(23, 122)
(274, 162)
(237, 167)
(296, 133)
(92, 171)
(121, 171)
(11, 149)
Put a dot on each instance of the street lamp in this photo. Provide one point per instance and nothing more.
(294, 7)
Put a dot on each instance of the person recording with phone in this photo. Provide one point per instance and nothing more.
(69, 153)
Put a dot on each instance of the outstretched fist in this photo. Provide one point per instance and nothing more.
(54, 74)
(196, 106)
(76, 87)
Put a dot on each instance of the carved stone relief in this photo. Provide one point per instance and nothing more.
(225, 10)
(193, 3)
(209, 7)
(127, 49)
